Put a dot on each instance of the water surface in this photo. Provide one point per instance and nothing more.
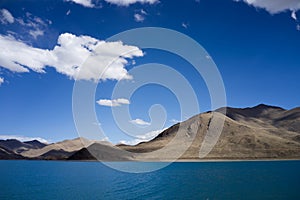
(204, 180)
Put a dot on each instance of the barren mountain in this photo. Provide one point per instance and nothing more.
(18, 147)
(63, 147)
(260, 132)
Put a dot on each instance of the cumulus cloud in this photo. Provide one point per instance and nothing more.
(142, 138)
(85, 3)
(69, 57)
(1, 80)
(6, 17)
(128, 2)
(23, 138)
(139, 122)
(274, 6)
(113, 102)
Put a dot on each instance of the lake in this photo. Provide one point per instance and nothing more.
(202, 180)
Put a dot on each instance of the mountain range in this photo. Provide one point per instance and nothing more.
(260, 132)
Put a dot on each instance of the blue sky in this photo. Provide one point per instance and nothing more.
(255, 46)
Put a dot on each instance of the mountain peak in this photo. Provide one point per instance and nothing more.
(264, 106)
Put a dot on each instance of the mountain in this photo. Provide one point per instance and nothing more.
(259, 132)
(65, 147)
(35, 144)
(101, 151)
(18, 147)
(6, 154)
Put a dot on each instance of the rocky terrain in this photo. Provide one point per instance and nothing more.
(260, 132)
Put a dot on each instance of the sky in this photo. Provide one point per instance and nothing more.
(44, 44)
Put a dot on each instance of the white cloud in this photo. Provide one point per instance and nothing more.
(142, 138)
(294, 16)
(274, 6)
(36, 33)
(298, 27)
(144, 12)
(128, 2)
(68, 12)
(113, 102)
(85, 3)
(33, 25)
(1, 80)
(68, 56)
(140, 122)
(23, 138)
(139, 17)
(6, 17)
(185, 25)
(175, 121)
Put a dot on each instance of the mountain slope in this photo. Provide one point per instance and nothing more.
(101, 151)
(64, 146)
(261, 132)
(18, 147)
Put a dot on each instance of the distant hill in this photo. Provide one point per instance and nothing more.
(102, 152)
(18, 147)
(35, 144)
(6, 154)
(259, 132)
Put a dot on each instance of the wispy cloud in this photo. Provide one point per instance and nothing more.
(28, 24)
(85, 3)
(1, 80)
(113, 102)
(129, 2)
(68, 56)
(139, 17)
(6, 17)
(23, 138)
(68, 12)
(185, 25)
(174, 121)
(142, 138)
(139, 122)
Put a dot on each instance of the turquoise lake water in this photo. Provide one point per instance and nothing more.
(93, 180)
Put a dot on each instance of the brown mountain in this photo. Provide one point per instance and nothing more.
(260, 132)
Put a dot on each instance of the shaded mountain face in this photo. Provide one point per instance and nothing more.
(18, 147)
(6, 154)
(100, 151)
(35, 144)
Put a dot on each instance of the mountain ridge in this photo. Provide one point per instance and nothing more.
(259, 132)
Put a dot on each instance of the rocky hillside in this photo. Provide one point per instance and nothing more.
(260, 132)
